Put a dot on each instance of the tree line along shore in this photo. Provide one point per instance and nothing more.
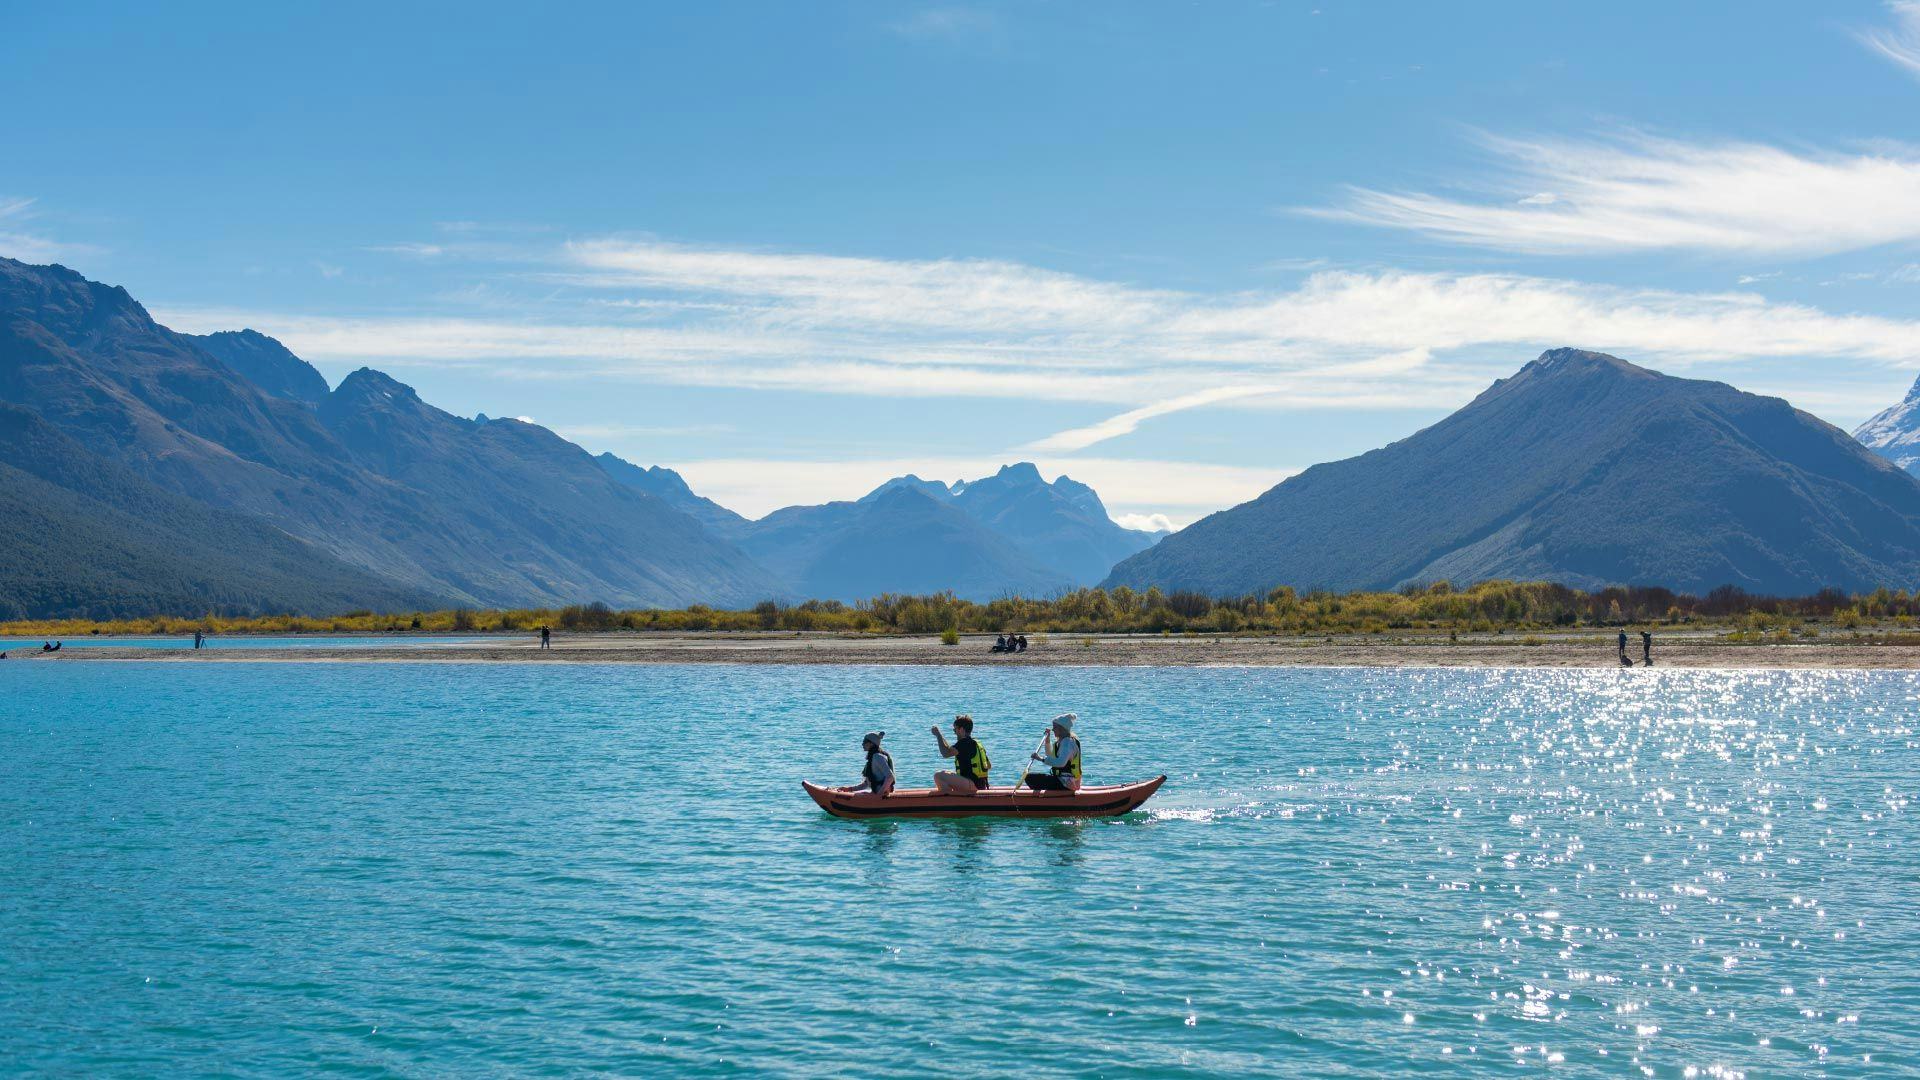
(1486, 607)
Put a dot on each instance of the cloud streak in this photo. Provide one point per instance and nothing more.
(1901, 42)
(668, 314)
(1639, 193)
(1128, 422)
(17, 241)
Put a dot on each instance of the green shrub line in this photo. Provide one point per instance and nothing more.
(1487, 607)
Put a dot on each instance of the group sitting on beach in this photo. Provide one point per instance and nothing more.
(1058, 756)
(1007, 643)
(50, 646)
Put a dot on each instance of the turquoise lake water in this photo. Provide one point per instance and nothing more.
(417, 869)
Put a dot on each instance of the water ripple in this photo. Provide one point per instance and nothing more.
(429, 869)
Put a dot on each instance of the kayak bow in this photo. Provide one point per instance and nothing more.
(1106, 801)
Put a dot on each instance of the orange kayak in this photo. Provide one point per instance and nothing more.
(1000, 802)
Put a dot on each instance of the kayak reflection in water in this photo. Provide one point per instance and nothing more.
(1061, 758)
(877, 774)
(970, 760)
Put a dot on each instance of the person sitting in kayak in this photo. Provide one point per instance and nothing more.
(970, 761)
(1061, 757)
(877, 774)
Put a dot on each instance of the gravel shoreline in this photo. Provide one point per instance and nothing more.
(1679, 650)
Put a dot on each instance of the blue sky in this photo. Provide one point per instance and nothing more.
(1177, 251)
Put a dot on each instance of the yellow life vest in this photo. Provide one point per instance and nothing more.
(981, 764)
(1072, 767)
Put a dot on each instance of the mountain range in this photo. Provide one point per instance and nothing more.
(1582, 469)
(1012, 533)
(384, 497)
(146, 471)
(149, 471)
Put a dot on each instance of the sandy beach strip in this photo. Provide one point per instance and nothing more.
(1579, 650)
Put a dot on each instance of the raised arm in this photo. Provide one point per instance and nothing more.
(1051, 756)
(945, 750)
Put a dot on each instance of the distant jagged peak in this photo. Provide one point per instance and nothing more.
(933, 489)
(63, 299)
(1569, 361)
(926, 491)
(1894, 432)
(1067, 485)
(369, 382)
(1024, 472)
(1563, 365)
(267, 363)
(661, 476)
(1020, 474)
(247, 335)
(1080, 495)
(661, 482)
(369, 391)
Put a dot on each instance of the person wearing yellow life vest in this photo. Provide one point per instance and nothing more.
(1061, 758)
(970, 761)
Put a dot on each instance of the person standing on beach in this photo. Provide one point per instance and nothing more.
(546, 637)
(1646, 648)
(1624, 658)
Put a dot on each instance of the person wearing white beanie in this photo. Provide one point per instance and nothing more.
(1061, 758)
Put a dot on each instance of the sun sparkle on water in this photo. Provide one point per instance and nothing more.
(1662, 872)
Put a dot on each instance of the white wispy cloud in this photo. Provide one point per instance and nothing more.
(1642, 193)
(1128, 422)
(411, 249)
(945, 22)
(1900, 42)
(978, 295)
(647, 312)
(593, 436)
(20, 240)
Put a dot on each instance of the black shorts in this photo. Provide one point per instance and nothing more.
(1040, 781)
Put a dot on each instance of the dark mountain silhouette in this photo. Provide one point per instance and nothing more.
(1581, 469)
(498, 514)
(665, 484)
(1894, 434)
(85, 537)
(898, 539)
(573, 530)
(266, 363)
